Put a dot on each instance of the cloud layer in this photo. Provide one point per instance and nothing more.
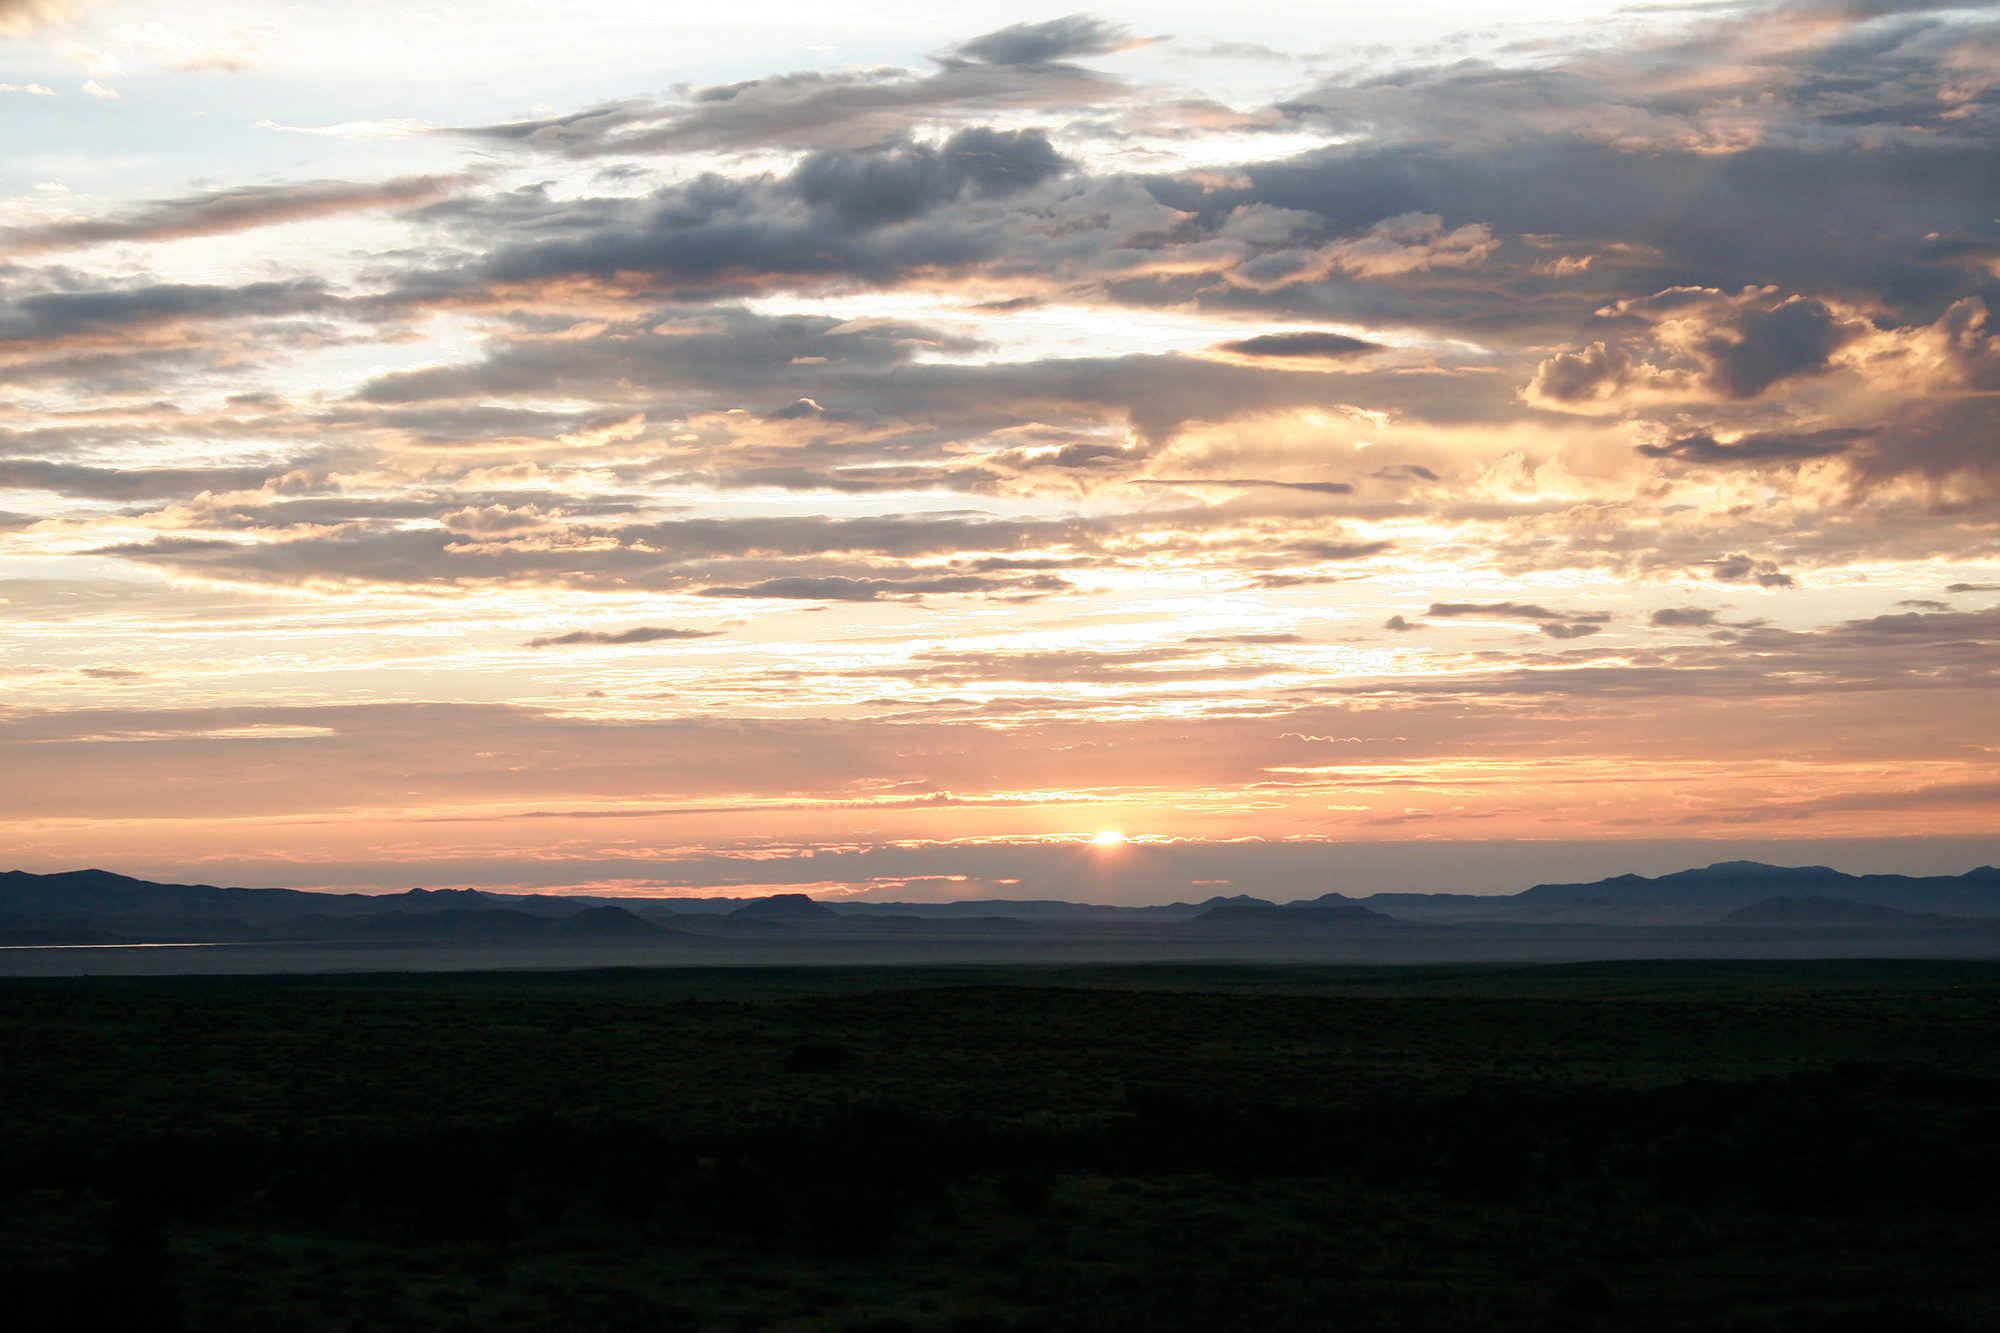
(1593, 438)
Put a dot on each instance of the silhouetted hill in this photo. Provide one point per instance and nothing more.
(1309, 916)
(785, 907)
(1626, 912)
(94, 892)
(1729, 885)
(1845, 912)
(447, 924)
(1429, 906)
(101, 893)
(30, 931)
(614, 924)
(487, 926)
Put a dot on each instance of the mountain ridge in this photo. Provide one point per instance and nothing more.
(102, 907)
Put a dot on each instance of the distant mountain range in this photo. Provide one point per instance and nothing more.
(98, 907)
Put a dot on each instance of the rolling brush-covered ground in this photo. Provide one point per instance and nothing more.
(1782, 1146)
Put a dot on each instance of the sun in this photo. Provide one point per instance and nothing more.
(1110, 837)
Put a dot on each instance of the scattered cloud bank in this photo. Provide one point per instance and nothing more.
(1527, 401)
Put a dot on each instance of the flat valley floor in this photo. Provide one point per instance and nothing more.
(1733, 1145)
(861, 943)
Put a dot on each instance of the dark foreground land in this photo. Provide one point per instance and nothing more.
(1719, 1145)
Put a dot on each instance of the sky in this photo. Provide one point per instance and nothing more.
(877, 448)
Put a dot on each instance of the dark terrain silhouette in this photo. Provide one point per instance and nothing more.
(1734, 909)
(1650, 1146)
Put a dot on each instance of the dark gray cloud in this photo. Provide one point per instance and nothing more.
(642, 634)
(98, 311)
(1577, 251)
(1325, 346)
(836, 588)
(544, 539)
(1016, 67)
(724, 356)
(853, 373)
(1740, 567)
(1682, 617)
(219, 212)
(1963, 248)
(1877, 655)
(1318, 487)
(1508, 610)
(856, 212)
(889, 183)
(799, 557)
(104, 483)
(1044, 43)
(1735, 347)
(1577, 255)
(1946, 440)
(1634, 166)
(1760, 448)
(1796, 337)
(1313, 549)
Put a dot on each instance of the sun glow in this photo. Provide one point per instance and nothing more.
(1110, 837)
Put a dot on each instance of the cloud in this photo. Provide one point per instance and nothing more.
(1915, 651)
(1248, 639)
(102, 483)
(1798, 336)
(1555, 624)
(642, 634)
(21, 17)
(1131, 666)
(221, 212)
(951, 366)
(234, 50)
(836, 588)
(1316, 487)
(1759, 448)
(1325, 346)
(1691, 343)
(890, 183)
(1590, 374)
(1016, 67)
(1044, 43)
(58, 314)
(874, 212)
(395, 128)
(1739, 567)
(856, 371)
(347, 542)
(1510, 610)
